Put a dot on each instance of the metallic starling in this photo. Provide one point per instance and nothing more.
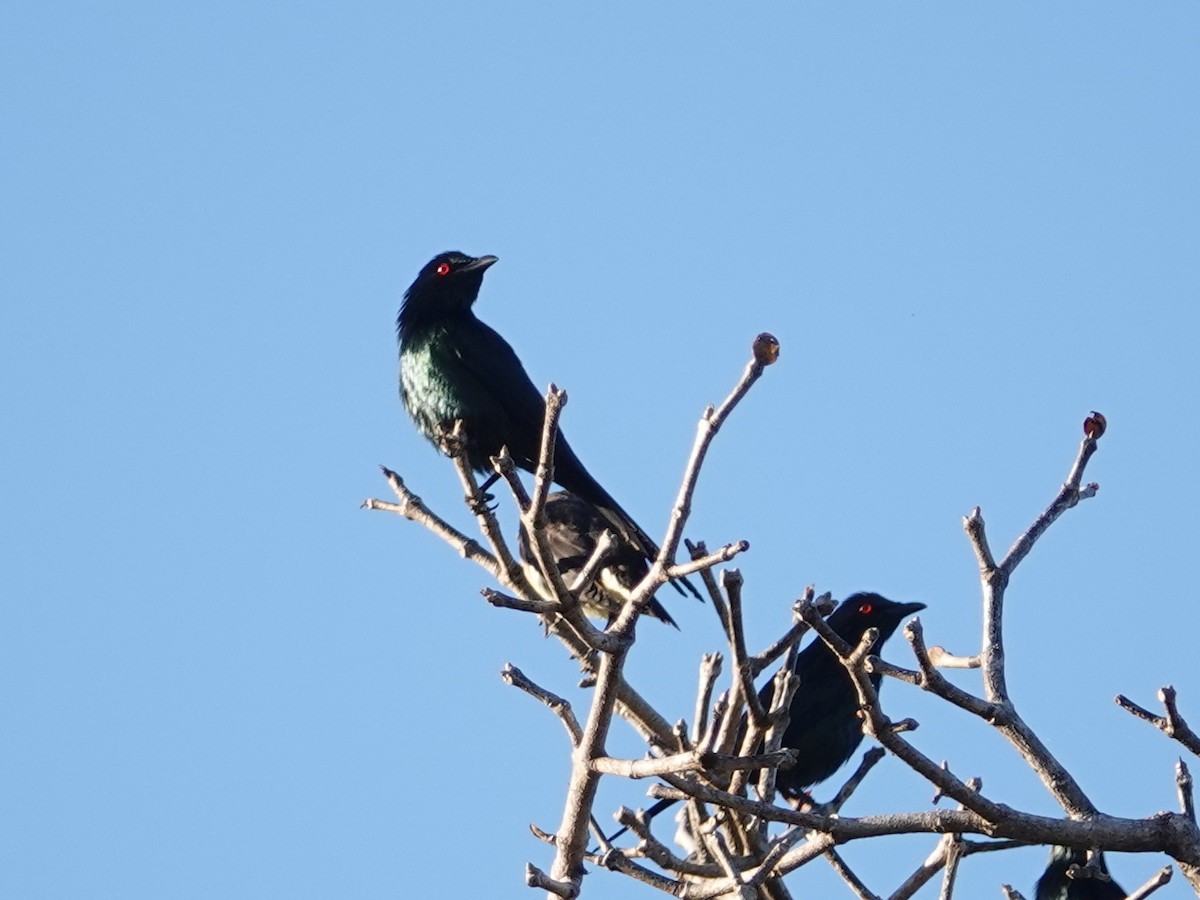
(454, 367)
(823, 722)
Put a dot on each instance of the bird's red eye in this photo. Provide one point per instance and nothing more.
(443, 268)
(865, 609)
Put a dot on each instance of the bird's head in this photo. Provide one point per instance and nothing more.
(447, 283)
(858, 612)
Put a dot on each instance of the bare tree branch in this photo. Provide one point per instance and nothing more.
(839, 865)
(1183, 783)
(994, 581)
(950, 870)
(504, 601)
(511, 574)
(510, 674)
(1172, 724)
(726, 553)
(731, 581)
(869, 761)
(783, 691)
(710, 424)
(535, 877)
(878, 726)
(690, 761)
(571, 837)
(619, 863)
(790, 638)
(1163, 832)
(930, 679)
(936, 860)
(1157, 880)
(1069, 495)
(533, 521)
(710, 668)
(943, 659)
(411, 507)
(591, 569)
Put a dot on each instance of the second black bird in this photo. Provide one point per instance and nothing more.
(823, 723)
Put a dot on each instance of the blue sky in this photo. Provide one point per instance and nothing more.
(967, 226)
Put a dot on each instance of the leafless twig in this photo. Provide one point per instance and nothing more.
(510, 674)
(690, 761)
(1172, 724)
(994, 580)
(869, 761)
(710, 668)
(760, 662)
(856, 884)
(731, 581)
(938, 858)
(535, 877)
(581, 789)
(1157, 880)
(411, 507)
(1183, 783)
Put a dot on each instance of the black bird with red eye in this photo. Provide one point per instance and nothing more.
(454, 367)
(823, 722)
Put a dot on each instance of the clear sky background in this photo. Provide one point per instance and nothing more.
(967, 226)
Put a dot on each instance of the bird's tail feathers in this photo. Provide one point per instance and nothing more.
(623, 525)
(570, 473)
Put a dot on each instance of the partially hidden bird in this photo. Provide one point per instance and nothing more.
(454, 367)
(1055, 884)
(573, 528)
(823, 723)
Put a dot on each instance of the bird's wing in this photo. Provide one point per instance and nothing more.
(493, 385)
(572, 547)
(491, 382)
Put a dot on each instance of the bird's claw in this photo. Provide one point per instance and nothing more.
(481, 503)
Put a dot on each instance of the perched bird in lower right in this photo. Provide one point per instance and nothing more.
(1056, 885)
(823, 722)
(573, 527)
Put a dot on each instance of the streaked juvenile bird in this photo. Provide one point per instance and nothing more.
(823, 722)
(1056, 885)
(573, 526)
(453, 366)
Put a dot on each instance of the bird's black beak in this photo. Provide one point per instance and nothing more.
(907, 609)
(480, 264)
